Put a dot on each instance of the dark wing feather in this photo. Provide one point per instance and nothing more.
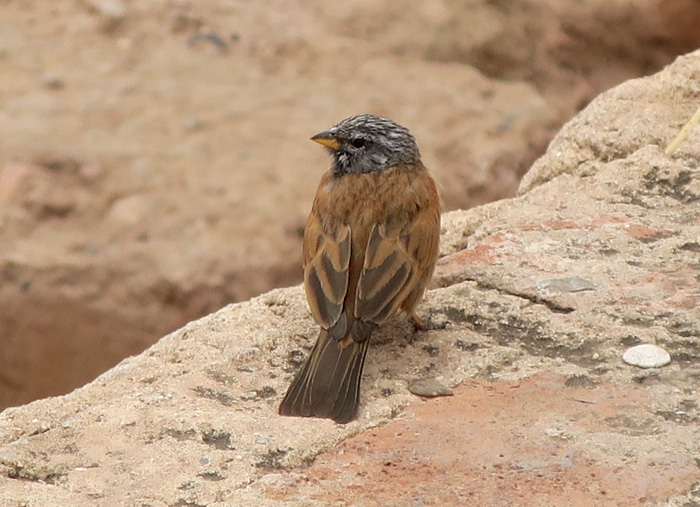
(326, 268)
(388, 275)
(398, 265)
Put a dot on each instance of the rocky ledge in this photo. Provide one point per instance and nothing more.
(535, 301)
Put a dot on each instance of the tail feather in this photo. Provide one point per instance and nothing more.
(328, 385)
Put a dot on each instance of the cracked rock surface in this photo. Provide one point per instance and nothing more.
(148, 148)
(535, 300)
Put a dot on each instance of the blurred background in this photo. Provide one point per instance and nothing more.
(154, 155)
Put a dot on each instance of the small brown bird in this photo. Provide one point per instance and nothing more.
(370, 246)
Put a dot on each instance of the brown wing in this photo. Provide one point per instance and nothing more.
(422, 246)
(326, 267)
(397, 267)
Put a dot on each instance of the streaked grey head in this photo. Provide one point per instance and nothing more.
(366, 143)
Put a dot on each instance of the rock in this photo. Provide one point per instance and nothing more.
(131, 210)
(484, 87)
(52, 81)
(646, 356)
(211, 40)
(112, 12)
(543, 393)
(429, 388)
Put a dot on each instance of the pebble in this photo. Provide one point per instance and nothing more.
(112, 13)
(109, 8)
(52, 81)
(212, 39)
(646, 356)
(131, 210)
(429, 388)
(194, 124)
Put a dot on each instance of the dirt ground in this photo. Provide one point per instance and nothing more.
(154, 162)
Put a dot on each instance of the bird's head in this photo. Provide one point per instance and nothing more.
(366, 143)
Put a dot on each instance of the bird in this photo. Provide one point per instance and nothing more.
(369, 250)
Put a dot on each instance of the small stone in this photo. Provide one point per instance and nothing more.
(131, 210)
(429, 388)
(112, 9)
(112, 13)
(52, 81)
(194, 124)
(646, 356)
(210, 39)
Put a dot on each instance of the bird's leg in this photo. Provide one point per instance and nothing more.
(418, 323)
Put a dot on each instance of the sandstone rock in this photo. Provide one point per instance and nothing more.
(429, 388)
(193, 419)
(184, 157)
(646, 356)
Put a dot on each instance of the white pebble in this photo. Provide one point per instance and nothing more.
(646, 356)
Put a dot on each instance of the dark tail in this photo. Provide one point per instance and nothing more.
(328, 385)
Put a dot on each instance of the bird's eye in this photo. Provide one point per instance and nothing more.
(358, 142)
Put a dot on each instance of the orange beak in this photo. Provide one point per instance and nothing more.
(327, 139)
